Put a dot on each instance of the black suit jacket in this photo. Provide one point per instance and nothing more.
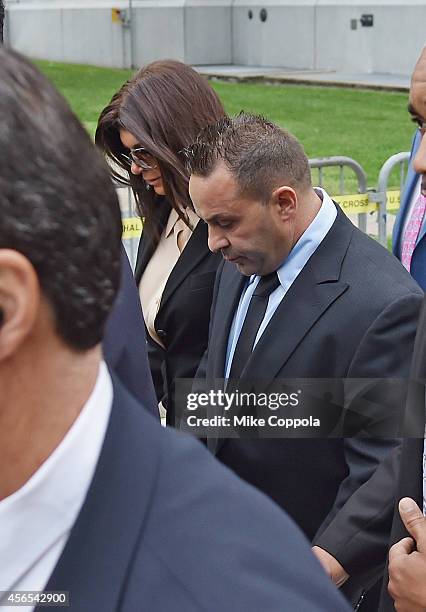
(343, 317)
(165, 528)
(182, 321)
(372, 513)
(409, 484)
(124, 343)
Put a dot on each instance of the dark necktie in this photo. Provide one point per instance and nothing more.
(254, 317)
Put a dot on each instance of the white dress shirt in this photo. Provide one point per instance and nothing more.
(287, 274)
(36, 520)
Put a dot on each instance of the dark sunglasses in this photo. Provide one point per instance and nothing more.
(141, 157)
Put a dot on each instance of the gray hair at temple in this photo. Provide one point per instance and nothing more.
(260, 155)
(58, 206)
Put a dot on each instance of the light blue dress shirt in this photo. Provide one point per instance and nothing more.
(287, 274)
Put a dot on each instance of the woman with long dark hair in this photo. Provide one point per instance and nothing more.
(143, 131)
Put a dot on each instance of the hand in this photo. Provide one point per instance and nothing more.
(331, 566)
(407, 561)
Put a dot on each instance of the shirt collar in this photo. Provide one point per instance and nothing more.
(312, 237)
(46, 506)
(309, 241)
(174, 219)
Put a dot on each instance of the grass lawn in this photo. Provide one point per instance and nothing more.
(368, 126)
(87, 88)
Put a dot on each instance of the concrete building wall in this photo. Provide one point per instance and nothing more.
(286, 37)
(194, 31)
(318, 34)
(158, 32)
(67, 33)
(299, 34)
(208, 32)
(391, 45)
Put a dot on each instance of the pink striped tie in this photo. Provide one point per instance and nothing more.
(412, 231)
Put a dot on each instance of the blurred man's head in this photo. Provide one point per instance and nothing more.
(250, 181)
(417, 110)
(60, 222)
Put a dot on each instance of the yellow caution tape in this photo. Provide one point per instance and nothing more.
(116, 15)
(355, 204)
(132, 227)
(351, 205)
(394, 200)
(360, 203)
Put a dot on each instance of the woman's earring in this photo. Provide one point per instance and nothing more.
(147, 187)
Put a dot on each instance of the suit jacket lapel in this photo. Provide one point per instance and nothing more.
(292, 321)
(194, 252)
(145, 251)
(313, 291)
(231, 286)
(148, 243)
(111, 518)
(421, 233)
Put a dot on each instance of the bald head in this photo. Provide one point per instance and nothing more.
(417, 110)
(419, 72)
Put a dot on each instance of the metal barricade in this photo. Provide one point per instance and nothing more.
(381, 195)
(378, 201)
(132, 225)
(341, 162)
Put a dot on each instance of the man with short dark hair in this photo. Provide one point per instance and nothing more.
(335, 306)
(97, 500)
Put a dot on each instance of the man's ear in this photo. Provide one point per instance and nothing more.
(285, 198)
(19, 300)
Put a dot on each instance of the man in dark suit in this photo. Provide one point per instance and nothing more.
(124, 342)
(340, 305)
(96, 499)
(376, 510)
(373, 517)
